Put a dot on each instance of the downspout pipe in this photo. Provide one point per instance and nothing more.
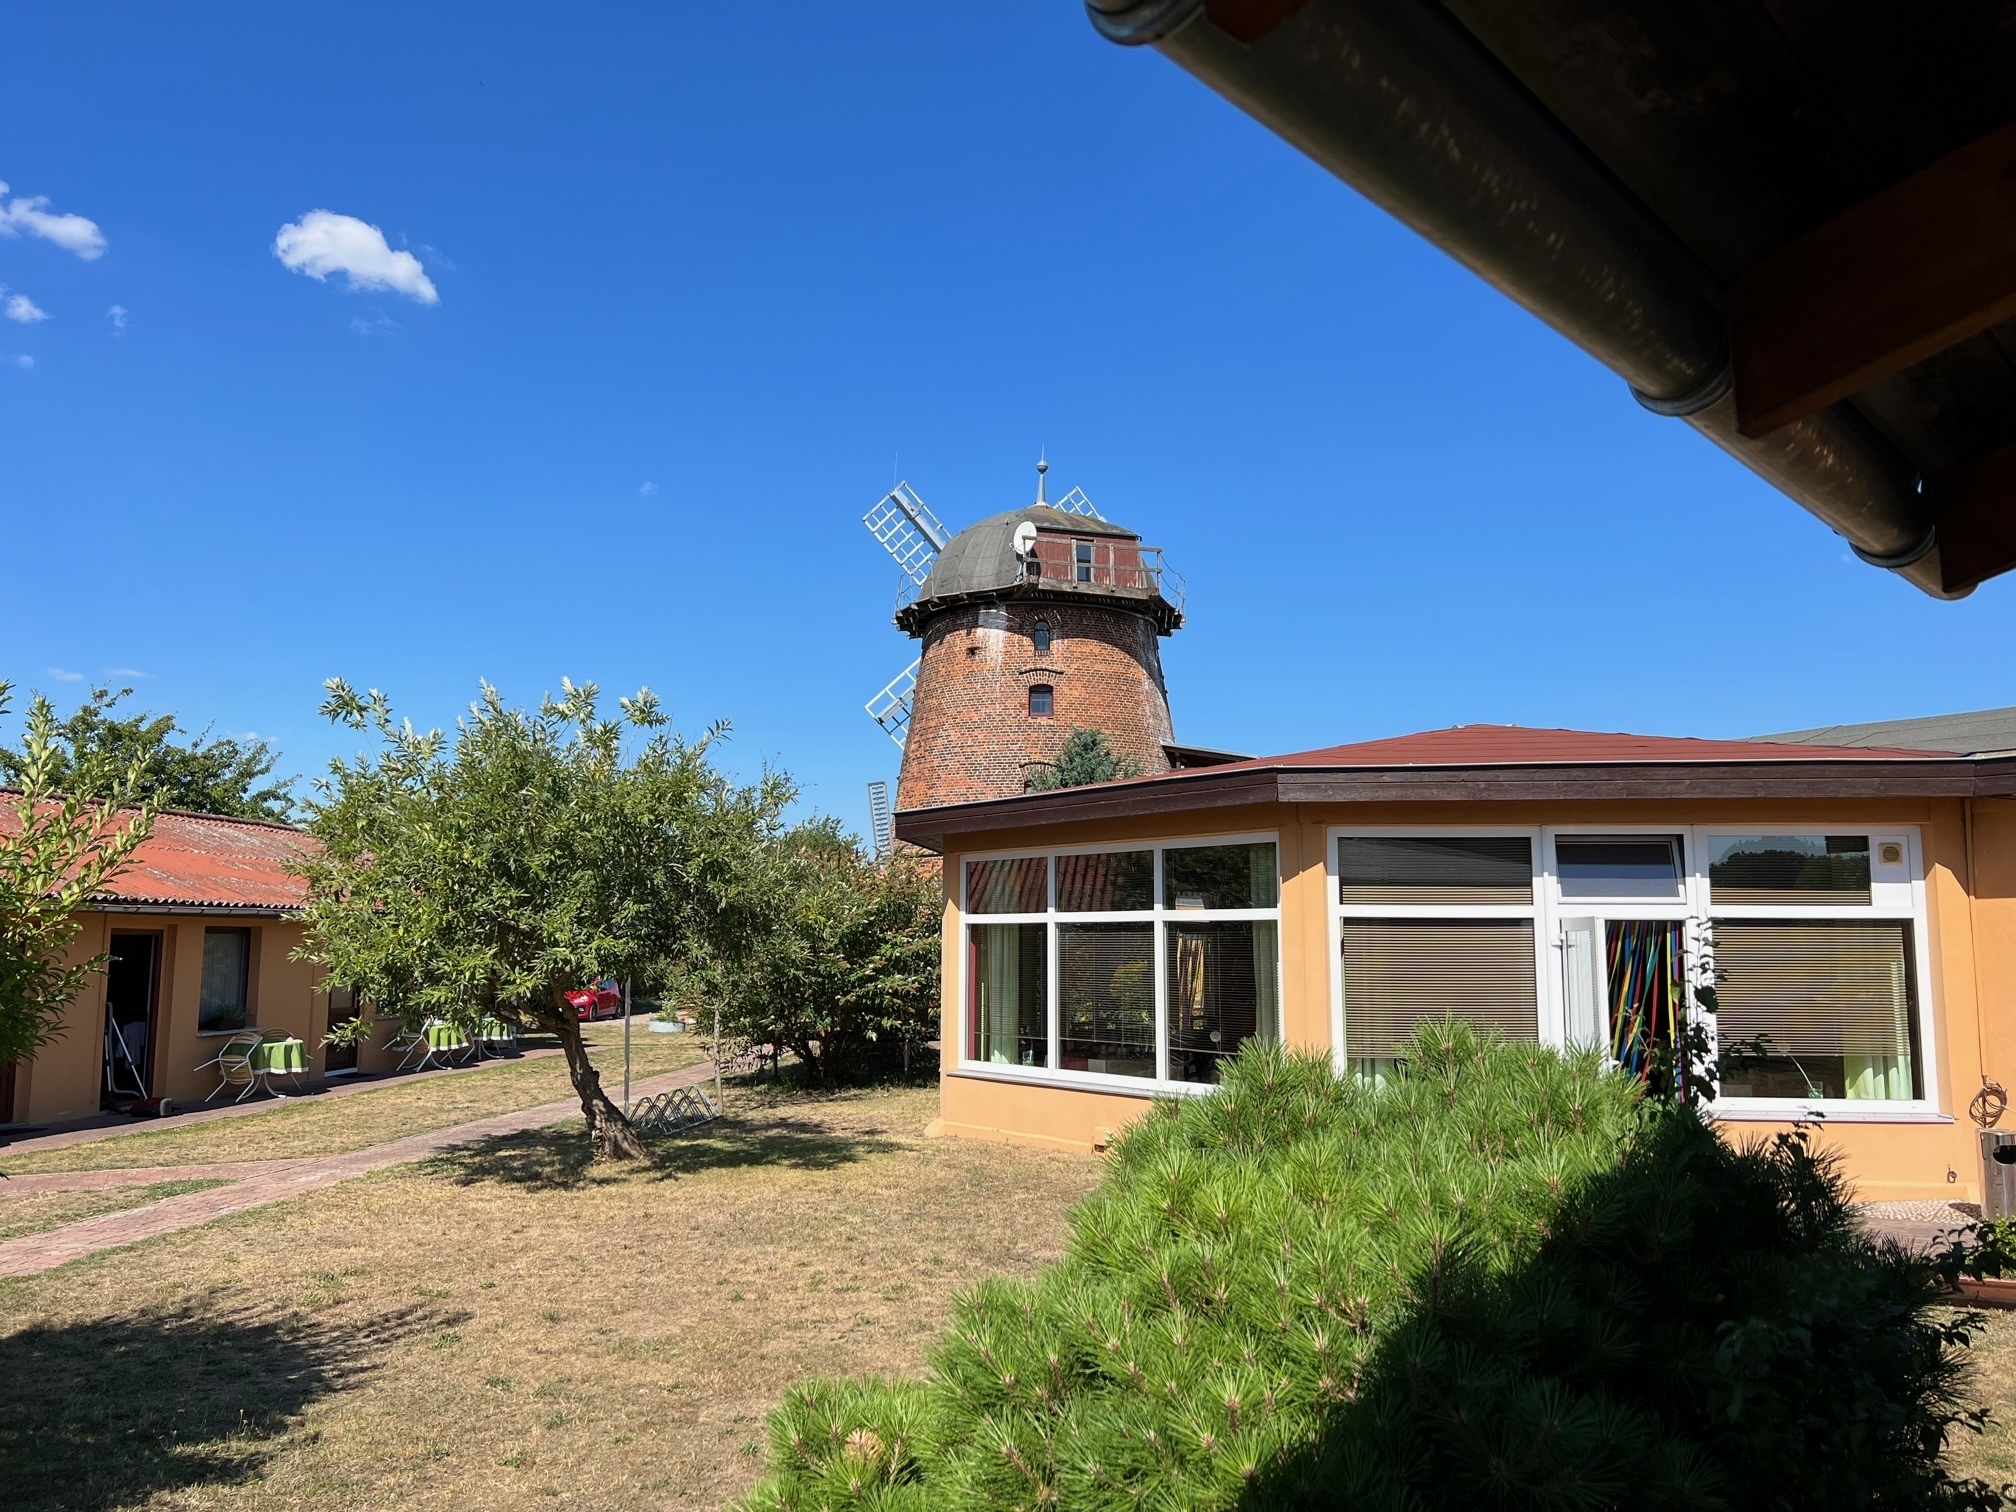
(1397, 99)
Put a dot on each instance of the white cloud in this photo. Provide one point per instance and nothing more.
(380, 324)
(126, 672)
(648, 489)
(321, 243)
(23, 309)
(24, 362)
(64, 676)
(117, 315)
(29, 214)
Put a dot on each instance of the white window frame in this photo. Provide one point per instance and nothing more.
(1159, 916)
(1898, 899)
(1902, 900)
(1340, 911)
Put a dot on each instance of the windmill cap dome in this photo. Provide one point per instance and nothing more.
(981, 562)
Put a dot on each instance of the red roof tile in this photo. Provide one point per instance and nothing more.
(1516, 745)
(203, 861)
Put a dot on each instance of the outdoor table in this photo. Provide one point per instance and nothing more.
(444, 1042)
(445, 1036)
(281, 1057)
(493, 1030)
(278, 1057)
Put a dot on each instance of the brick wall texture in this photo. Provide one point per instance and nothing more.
(971, 734)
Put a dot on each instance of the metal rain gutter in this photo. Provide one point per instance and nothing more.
(1397, 99)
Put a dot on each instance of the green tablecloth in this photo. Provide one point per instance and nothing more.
(446, 1037)
(494, 1029)
(284, 1057)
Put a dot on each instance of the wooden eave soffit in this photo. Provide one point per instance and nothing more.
(1922, 266)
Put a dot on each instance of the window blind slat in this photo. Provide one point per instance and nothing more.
(1815, 988)
(1398, 972)
(1435, 869)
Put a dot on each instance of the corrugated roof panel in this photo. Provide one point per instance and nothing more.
(202, 860)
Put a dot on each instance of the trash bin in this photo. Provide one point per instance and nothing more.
(1998, 1173)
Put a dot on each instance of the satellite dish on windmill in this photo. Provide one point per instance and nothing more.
(913, 537)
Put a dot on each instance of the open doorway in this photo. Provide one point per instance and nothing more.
(344, 1006)
(132, 990)
(1627, 992)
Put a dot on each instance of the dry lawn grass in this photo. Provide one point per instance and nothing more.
(38, 1212)
(337, 1125)
(1992, 1455)
(514, 1328)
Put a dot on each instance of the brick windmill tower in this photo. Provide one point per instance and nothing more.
(1035, 622)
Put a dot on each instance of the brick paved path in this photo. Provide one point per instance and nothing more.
(112, 1125)
(256, 1183)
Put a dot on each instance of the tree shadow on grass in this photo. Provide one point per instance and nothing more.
(560, 1158)
(107, 1412)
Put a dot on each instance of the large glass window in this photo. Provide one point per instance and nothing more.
(1398, 972)
(1008, 887)
(1106, 882)
(1106, 998)
(1222, 992)
(227, 962)
(1220, 876)
(1008, 987)
(1155, 978)
(1817, 1009)
(1770, 869)
(1435, 869)
(1623, 866)
(1465, 948)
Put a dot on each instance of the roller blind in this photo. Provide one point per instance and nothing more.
(1398, 972)
(1435, 869)
(1815, 988)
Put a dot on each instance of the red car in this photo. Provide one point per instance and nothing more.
(604, 1001)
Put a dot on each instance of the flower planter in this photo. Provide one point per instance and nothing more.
(659, 1026)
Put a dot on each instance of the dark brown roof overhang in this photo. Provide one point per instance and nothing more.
(1546, 782)
(1792, 227)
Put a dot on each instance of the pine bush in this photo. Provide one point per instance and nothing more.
(1499, 1281)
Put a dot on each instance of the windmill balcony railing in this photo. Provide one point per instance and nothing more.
(1098, 566)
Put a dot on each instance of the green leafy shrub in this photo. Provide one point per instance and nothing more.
(1501, 1281)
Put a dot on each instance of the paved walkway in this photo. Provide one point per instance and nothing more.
(112, 1125)
(257, 1183)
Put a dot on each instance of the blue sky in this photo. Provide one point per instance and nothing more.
(708, 278)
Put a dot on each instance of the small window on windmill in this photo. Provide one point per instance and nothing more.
(1040, 637)
(1041, 699)
(1081, 559)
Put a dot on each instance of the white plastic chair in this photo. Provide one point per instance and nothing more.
(234, 1065)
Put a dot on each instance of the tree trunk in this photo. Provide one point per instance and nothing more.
(612, 1133)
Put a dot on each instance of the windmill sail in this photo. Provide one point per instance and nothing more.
(1076, 503)
(891, 707)
(880, 821)
(908, 531)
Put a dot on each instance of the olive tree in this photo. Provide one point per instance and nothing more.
(530, 853)
(66, 830)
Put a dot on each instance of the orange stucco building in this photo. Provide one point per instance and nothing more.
(201, 934)
(1853, 907)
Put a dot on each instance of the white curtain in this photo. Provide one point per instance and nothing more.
(1266, 980)
(1000, 992)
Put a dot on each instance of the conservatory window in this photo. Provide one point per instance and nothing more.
(1817, 1009)
(1161, 960)
(1434, 925)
